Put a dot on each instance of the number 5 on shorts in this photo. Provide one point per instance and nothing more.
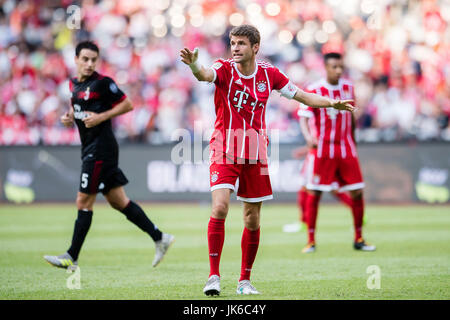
(84, 180)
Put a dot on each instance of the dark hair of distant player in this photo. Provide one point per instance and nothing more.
(248, 31)
(331, 55)
(86, 45)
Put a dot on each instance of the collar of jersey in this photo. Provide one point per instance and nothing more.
(94, 74)
(246, 77)
(331, 86)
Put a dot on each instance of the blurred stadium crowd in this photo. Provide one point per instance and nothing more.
(396, 52)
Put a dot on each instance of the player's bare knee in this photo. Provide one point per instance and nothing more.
(250, 213)
(220, 210)
(117, 198)
(251, 216)
(356, 194)
(251, 222)
(316, 193)
(114, 204)
(118, 204)
(84, 203)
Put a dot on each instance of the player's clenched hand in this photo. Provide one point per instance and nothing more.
(92, 119)
(189, 57)
(343, 105)
(67, 119)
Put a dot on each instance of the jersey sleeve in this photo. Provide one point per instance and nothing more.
(71, 85)
(220, 68)
(111, 92)
(282, 84)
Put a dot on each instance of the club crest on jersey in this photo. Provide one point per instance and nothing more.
(261, 86)
(214, 176)
(113, 88)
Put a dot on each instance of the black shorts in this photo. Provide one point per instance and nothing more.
(100, 176)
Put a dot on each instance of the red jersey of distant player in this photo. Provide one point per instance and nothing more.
(333, 129)
(240, 129)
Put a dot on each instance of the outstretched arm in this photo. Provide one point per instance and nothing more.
(190, 58)
(317, 101)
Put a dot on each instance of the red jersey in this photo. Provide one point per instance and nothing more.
(333, 128)
(240, 101)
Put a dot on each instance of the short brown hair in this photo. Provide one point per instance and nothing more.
(86, 45)
(248, 31)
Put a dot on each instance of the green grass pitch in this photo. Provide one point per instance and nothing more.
(413, 254)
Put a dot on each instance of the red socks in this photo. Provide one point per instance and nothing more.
(344, 198)
(312, 207)
(311, 210)
(301, 201)
(357, 207)
(249, 245)
(358, 214)
(216, 237)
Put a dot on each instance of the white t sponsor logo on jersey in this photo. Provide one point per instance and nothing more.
(243, 96)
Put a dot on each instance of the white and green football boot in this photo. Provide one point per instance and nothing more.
(212, 286)
(245, 287)
(62, 261)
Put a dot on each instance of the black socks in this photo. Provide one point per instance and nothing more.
(135, 214)
(132, 211)
(80, 231)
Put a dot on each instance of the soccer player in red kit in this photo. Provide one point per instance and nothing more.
(308, 128)
(238, 146)
(333, 163)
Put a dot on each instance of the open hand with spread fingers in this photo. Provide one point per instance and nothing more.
(188, 56)
(343, 105)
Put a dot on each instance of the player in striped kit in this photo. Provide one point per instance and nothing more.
(238, 145)
(333, 162)
(307, 125)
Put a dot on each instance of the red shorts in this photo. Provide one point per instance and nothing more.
(254, 181)
(324, 174)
